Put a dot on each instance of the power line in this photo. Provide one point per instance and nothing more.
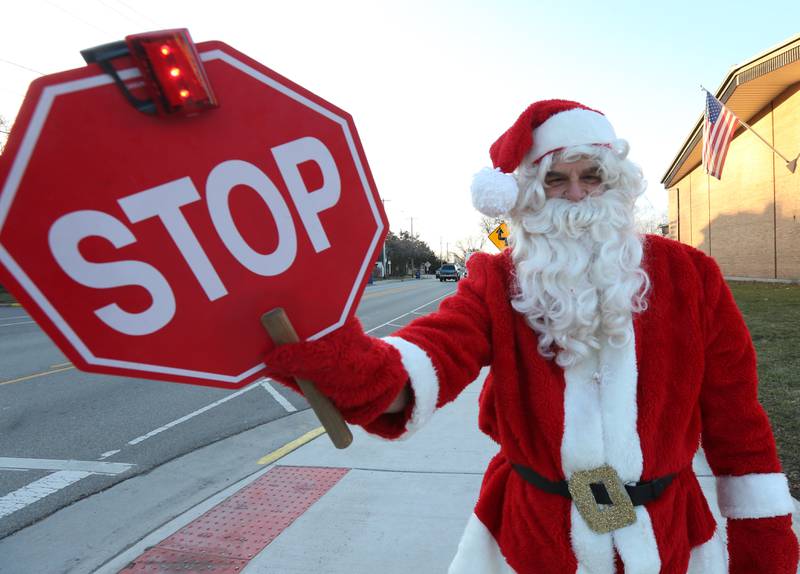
(120, 13)
(78, 18)
(21, 66)
(132, 9)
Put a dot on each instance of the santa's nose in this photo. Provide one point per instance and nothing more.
(575, 191)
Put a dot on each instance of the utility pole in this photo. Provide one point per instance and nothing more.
(383, 201)
(413, 269)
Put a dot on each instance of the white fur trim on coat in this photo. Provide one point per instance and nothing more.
(478, 552)
(710, 557)
(637, 545)
(571, 128)
(594, 552)
(754, 495)
(600, 427)
(424, 382)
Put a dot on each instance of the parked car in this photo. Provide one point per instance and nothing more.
(448, 272)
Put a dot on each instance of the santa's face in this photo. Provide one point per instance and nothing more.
(577, 255)
(574, 180)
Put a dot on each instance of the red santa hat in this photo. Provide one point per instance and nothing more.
(544, 127)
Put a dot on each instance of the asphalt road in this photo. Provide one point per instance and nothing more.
(65, 434)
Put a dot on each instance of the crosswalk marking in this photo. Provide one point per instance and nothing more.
(280, 399)
(38, 489)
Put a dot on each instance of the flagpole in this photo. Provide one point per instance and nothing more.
(791, 165)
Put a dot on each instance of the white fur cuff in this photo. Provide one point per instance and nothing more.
(424, 382)
(754, 495)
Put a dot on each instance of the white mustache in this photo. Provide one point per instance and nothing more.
(601, 215)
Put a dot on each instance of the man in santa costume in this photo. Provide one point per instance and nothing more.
(613, 357)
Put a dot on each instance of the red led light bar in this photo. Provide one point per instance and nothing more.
(173, 73)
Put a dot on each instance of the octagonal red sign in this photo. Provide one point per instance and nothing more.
(150, 246)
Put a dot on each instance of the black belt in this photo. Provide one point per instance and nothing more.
(639, 493)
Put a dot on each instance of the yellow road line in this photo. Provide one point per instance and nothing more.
(60, 365)
(384, 292)
(289, 447)
(35, 375)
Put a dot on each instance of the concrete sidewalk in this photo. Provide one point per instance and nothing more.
(375, 507)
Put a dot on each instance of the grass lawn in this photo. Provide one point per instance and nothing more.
(772, 313)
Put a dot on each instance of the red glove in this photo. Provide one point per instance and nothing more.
(361, 375)
(762, 545)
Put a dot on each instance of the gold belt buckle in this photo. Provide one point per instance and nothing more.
(618, 514)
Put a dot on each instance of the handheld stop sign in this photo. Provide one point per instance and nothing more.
(157, 202)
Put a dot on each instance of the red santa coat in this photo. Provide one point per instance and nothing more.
(689, 373)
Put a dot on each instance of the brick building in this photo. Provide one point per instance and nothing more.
(750, 220)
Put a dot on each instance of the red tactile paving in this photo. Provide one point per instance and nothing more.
(159, 559)
(227, 537)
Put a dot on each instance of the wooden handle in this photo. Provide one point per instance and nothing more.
(281, 330)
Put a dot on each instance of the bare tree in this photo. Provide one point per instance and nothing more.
(468, 245)
(489, 224)
(649, 220)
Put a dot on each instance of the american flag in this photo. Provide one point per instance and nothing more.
(718, 129)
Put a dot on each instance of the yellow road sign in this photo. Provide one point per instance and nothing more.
(500, 236)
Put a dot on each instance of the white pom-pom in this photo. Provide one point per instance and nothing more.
(494, 193)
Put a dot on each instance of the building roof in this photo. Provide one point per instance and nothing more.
(746, 90)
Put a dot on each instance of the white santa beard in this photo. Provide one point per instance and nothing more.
(578, 271)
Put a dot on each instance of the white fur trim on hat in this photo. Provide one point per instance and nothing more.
(494, 193)
(571, 128)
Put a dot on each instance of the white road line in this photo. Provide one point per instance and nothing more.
(290, 408)
(90, 466)
(109, 453)
(410, 312)
(191, 415)
(396, 325)
(38, 489)
(19, 323)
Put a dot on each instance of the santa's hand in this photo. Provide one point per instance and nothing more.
(762, 545)
(361, 375)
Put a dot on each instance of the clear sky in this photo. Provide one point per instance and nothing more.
(431, 84)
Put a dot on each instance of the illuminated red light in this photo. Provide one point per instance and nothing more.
(173, 73)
